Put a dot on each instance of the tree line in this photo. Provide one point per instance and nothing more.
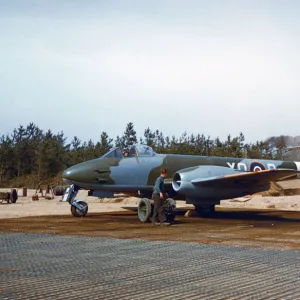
(30, 156)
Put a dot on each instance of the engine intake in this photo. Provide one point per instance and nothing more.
(176, 181)
(182, 180)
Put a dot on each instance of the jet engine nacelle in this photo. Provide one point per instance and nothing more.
(182, 181)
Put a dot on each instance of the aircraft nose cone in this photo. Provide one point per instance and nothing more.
(83, 172)
(71, 174)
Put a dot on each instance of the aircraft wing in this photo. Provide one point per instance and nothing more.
(223, 182)
(240, 178)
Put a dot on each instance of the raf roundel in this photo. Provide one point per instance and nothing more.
(256, 166)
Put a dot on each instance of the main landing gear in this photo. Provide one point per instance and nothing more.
(79, 208)
(146, 207)
(205, 210)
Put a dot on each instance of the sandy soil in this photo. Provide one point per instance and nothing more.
(268, 222)
(25, 206)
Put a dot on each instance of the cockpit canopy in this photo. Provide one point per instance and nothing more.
(136, 150)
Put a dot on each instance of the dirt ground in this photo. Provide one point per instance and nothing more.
(234, 227)
(268, 222)
(25, 206)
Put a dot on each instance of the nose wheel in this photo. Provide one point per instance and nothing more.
(79, 208)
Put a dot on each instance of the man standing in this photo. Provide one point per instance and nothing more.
(158, 197)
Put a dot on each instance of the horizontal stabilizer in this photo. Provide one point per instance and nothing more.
(260, 178)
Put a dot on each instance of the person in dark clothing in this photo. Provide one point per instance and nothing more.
(158, 196)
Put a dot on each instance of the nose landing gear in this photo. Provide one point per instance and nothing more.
(79, 208)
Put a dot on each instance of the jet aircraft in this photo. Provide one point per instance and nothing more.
(199, 180)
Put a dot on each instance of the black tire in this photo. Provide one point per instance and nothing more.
(170, 209)
(80, 213)
(205, 210)
(14, 196)
(145, 210)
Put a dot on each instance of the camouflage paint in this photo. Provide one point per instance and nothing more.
(137, 174)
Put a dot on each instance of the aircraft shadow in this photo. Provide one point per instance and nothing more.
(244, 215)
(276, 216)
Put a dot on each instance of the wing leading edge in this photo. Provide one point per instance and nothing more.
(259, 178)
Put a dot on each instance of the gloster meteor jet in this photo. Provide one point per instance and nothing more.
(199, 180)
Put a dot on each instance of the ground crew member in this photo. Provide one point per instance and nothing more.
(158, 196)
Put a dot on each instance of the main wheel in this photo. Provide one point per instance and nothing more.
(76, 212)
(170, 209)
(145, 210)
(205, 210)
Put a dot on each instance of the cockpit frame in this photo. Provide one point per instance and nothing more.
(137, 150)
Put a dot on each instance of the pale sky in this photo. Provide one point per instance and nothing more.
(211, 67)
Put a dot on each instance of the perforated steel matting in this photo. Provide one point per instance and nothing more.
(38, 266)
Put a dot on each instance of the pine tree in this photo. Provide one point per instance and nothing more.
(129, 135)
(6, 158)
(104, 145)
(149, 137)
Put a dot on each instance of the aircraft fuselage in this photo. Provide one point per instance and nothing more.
(136, 174)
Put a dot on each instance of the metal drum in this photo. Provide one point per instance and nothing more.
(59, 190)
